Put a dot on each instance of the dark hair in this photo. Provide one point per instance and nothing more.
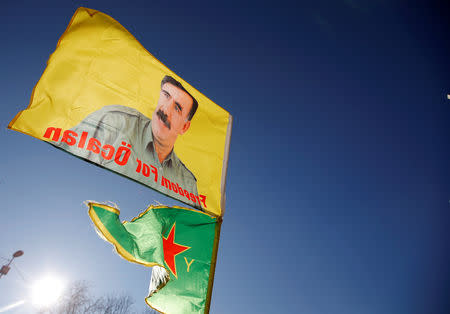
(174, 82)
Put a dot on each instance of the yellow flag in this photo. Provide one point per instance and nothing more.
(103, 97)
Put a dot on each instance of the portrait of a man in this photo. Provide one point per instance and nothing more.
(149, 142)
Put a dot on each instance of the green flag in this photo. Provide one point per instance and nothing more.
(181, 243)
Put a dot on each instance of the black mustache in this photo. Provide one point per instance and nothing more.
(163, 118)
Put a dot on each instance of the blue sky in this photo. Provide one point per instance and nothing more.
(338, 186)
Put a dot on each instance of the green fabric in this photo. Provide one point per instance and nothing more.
(141, 241)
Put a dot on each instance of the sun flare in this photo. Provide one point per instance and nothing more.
(46, 290)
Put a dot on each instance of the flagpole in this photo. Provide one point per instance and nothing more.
(213, 263)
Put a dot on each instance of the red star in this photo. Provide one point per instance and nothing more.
(171, 249)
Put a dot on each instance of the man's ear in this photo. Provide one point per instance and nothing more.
(186, 127)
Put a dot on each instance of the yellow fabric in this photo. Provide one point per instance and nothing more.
(97, 62)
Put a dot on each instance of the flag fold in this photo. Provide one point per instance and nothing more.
(178, 241)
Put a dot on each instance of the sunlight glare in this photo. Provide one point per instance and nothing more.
(46, 291)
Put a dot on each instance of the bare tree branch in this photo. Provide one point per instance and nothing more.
(77, 300)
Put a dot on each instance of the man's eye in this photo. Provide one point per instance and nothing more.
(178, 108)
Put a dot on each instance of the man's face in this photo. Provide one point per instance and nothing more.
(170, 117)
